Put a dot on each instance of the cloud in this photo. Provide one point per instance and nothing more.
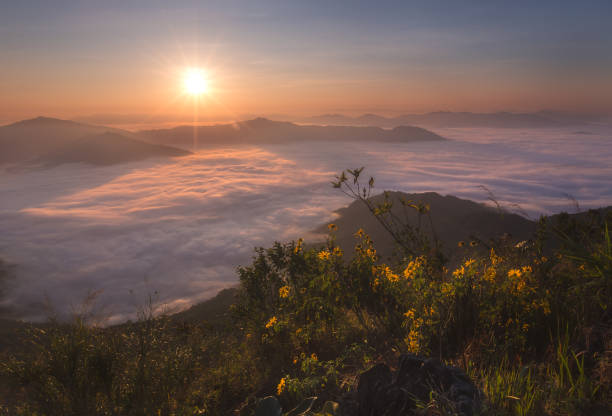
(180, 227)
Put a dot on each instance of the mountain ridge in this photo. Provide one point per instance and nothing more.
(264, 131)
(46, 142)
(501, 119)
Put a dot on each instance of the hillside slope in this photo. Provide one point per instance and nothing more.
(106, 149)
(45, 142)
(453, 220)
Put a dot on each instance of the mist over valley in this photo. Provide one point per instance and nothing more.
(177, 226)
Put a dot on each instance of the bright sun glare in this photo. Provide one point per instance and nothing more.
(195, 82)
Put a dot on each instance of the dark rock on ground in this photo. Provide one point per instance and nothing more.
(382, 393)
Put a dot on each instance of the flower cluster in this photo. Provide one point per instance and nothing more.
(271, 322)
(414, 267)
(284, 291)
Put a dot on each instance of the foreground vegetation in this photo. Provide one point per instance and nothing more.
(529, 321)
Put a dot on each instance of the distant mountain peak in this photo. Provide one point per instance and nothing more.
(444, 118)
(41, 121)
(262, 122)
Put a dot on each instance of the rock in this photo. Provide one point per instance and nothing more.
(382, 393)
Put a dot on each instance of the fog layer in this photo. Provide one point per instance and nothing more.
(178, 229)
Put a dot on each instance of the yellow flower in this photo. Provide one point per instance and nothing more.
(376, 283)
(283, 292)
(281, 386)
(409, 314)
(495, 259)
(332, 227)
(295, 360)
(413, 341)
(337, 251)
(359, 233)
(490, 274)
(514, 273)
(413, 267)
(459, 272)
(324, 255)
(271, 322)
(392, 277)
(460, 243)
(298, 246)
(527, 269)
(473, 243)
(371, 253)
(314, 357)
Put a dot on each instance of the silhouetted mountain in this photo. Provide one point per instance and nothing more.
(48, 141)
(46, 122)
(453, 220)
(372, 120)
(29, 139)
(106, 149)
(464, 119)
(262, 131)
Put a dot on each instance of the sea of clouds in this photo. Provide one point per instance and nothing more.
(177, 229)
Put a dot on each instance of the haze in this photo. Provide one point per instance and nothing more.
(180, 227)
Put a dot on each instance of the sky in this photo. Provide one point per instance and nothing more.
(126, 59)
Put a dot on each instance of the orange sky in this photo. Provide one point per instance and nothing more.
(72, 60)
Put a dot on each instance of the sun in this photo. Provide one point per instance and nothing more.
(195, 82)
